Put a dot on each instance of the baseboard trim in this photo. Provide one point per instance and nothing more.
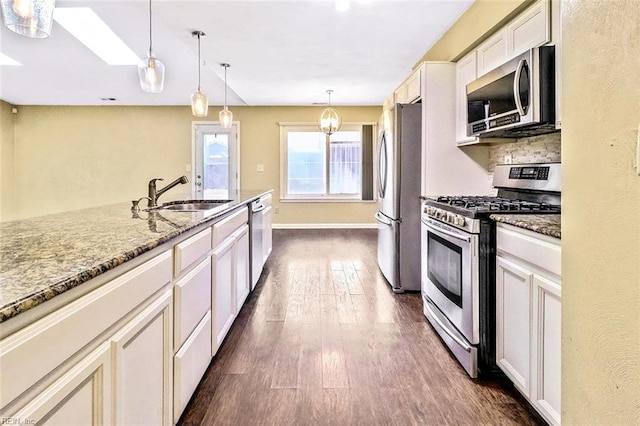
(325, 226)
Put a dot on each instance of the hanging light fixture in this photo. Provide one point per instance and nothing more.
(330, 121)
(226, 116)
(29, 18)
(151, 70)
(199, 101)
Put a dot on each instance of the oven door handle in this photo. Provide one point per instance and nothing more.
(463, 345)
(449, 233)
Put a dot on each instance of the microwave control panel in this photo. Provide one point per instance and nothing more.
(529, 173)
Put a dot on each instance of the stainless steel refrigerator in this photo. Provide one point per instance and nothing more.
(398, 216)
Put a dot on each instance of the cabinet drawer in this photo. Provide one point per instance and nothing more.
(192, 300)
(47, 343)
(228, 225)
(537, 249)
(191, 249)
(190, 364)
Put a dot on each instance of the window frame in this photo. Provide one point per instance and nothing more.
(313, 127)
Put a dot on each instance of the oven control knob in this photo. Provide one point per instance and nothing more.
(460, 220)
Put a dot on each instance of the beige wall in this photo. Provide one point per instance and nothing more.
(478, 22)
(601, 213)
(75, 157)
(6, 158)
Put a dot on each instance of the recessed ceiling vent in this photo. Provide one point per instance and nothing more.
(108, 99)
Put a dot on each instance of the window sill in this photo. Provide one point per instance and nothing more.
(326, 200)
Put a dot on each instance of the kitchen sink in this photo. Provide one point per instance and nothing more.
(193, 206)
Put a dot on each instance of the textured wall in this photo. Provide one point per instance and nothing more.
(601, 213)
(75, 157)
(536, 149)
(6, 159)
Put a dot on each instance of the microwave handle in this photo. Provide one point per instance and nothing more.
(516, 87)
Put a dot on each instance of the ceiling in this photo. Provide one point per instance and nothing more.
(281, 52)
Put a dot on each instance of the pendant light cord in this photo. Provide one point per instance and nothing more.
(225, 86)
(199, 62)
(150, 24)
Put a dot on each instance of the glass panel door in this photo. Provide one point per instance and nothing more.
(444, 266)
(216, 162)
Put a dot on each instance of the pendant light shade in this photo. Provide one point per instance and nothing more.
(199, 101)
(151, 70)
(29, 18)
(330, 121)
(226, 116)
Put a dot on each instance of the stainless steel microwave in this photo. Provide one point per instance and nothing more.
(516, 99)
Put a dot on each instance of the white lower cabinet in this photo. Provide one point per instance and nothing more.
(82, 396)
(528, 317)
(190, 364)
(223, 292)
(513, 321)
(143, 361)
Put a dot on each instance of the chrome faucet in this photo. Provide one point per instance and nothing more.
(154, 194)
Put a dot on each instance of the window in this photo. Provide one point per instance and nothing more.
(317, 166)
(216, 164)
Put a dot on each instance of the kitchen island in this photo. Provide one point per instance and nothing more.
(45, 256)
(112, 316)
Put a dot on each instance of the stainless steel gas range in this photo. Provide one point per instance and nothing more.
(458, 258)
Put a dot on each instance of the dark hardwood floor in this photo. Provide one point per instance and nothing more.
(324, 341)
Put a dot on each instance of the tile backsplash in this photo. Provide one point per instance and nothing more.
(535, 149)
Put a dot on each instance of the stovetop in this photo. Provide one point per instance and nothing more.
(480, 206)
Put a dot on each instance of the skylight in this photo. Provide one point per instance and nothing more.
(86, 26)
(5, 60)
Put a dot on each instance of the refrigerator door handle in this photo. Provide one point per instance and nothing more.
(383, 220)
(382, 181)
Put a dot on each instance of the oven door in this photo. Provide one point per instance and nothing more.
(450, 275)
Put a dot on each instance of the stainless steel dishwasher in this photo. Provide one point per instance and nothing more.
(256, 228)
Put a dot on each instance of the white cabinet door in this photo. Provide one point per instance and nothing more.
(82, 396)
(513, 322)
(413, 86)
(242, 255)
(222, 292)
(492, 53)
(530, 29)
(465, 73)
(547, 310)
(143, 356)
(190, 364)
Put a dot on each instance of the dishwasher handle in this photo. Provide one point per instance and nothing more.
(257, 208)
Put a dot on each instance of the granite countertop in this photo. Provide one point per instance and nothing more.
(547, 224)
(45, 256)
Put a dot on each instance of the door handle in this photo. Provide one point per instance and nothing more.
(444, 328)
(516, 87)
(383, 220)
(445, 232)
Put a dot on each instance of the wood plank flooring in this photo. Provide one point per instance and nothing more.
(324, 341)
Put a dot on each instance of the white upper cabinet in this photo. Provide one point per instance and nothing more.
(410, 90)
(465, 73)
(492, 52)
(530, 29)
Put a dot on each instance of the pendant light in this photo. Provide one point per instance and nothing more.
(330, 121)
(29, 18)
(151, 70)
(226, 116)
(199, 101)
